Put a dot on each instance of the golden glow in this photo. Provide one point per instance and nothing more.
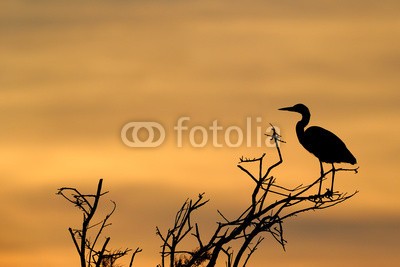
(73, 73)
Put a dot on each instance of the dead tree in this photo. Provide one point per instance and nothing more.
(270, 205)
(90, 252)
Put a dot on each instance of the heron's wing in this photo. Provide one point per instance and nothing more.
(326, 146)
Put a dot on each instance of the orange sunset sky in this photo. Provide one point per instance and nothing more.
(74, 72)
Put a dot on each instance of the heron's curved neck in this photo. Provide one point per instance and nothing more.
(301, 125)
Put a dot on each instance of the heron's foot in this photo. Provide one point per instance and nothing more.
(329, 193)
(319, 198)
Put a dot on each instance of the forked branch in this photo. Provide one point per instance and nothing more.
(270, 205)
(89, 252)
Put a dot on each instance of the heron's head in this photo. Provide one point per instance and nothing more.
(299, 108)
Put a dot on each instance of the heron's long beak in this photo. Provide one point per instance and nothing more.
(287, 109)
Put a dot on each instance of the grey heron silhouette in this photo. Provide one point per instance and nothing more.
(323, 144)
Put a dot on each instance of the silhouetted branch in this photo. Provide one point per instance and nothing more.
(270, 205)
(236, 239)
(87, 251)
(182, 227)
(138, 250)
(252, 250)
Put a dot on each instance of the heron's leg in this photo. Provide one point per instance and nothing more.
(322, 176)
(333, 176)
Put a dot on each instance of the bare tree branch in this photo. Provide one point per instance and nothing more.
(236, 238)
(270, 205)
(87, 250)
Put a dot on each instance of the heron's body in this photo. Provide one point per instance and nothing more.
(323, 144)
